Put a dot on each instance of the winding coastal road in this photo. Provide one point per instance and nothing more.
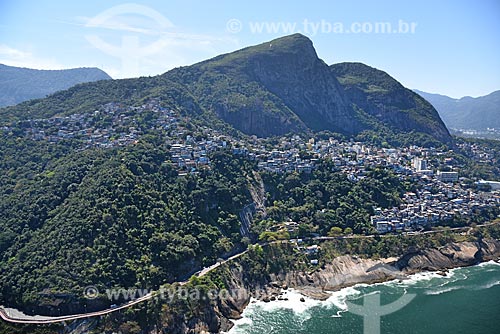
(14, 316)
(20, 318)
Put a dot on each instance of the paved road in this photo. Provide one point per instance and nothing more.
(25, 319)
(20, 318)
(5, 314)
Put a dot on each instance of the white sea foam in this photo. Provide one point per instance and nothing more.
(386, 283)
(489, 263)
(339, 314)
(435, 292)
(487, 285)
(300, 308)
(294, 303)
(240, 322)
(458, 287)
(454, 275)
(337, 300)
(419, 277)
(419, 280)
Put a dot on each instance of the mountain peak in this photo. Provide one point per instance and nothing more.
(282, 86)
(295, 40)
(296, 45)
(278, 87)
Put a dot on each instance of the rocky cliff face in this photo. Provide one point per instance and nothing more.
(385, 100)
(290, 69)
(274, 88)
(343, 271)
(282, 86)
(451, 256)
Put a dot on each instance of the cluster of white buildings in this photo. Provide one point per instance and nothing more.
(112, 125)
(190, 155)
(115, 124)
(440, 197)
(423, 209)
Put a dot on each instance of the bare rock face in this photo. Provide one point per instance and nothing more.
(490, 249)
(450, 256)
(383, 99)
(274, 88)
(290, 68)
(283, 86)
(342, 272)
(466, 252)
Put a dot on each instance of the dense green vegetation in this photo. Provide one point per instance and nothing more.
(122, 217)
(388, 106)
(86, 98)
(481, 168)
(325, 199)
(6, 328)
(283, 257)
(256, 267)
(112, 218)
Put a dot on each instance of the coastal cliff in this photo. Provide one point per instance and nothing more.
(342, 271)
(450, 256)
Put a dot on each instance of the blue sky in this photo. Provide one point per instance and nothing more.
(454, 48)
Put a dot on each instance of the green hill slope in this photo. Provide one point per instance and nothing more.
(385, 101)
(22, 84)
(270, 89)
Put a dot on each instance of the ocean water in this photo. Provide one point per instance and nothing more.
(466, 300)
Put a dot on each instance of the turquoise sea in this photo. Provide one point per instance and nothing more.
(467, 301)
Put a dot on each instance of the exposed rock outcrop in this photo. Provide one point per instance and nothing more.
(450, 256)
(343, 271)
(282, 86)
(383, 99)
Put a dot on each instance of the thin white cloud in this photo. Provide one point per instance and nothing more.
(12, 53)
(129, 24)
(129, 45)
(112, 24)
(147, 46)
(22, 58)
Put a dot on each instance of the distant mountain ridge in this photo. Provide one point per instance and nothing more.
(18, 84)
(273, 88)
(467, 113)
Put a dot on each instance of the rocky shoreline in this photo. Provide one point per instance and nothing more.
(216, 315)
(345, 271)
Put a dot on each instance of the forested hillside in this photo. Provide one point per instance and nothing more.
(123, 217)
(22, 84)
